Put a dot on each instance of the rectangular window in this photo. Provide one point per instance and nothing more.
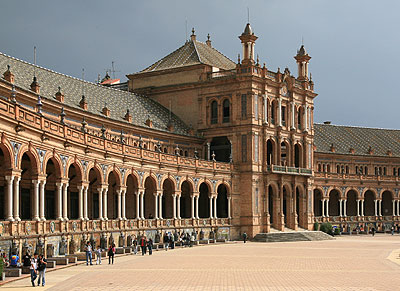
(283, 115)
(244, 148)
(256, 106)
(256, 148)
(244, 106)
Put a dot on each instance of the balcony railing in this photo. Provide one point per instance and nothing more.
(289, 170)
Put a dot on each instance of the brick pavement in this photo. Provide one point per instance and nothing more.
(347, 263)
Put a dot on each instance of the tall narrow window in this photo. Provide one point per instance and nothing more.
(299, 118)
(226, 111)
(244, 106)
(244, 148)
(256, 148)
(283, 115)
(256, 107)
(273, 112)
(214, 112)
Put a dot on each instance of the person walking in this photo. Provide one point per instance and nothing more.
(150, 246)
(373, 231)
(135, 245)
(98, 255)
(166, 241)
(244, 237)
(42, 264)
(33, 268)
(143, 244)
(111, 253)
(392, 230)
(88, 251)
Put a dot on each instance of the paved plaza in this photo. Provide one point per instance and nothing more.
(347, 263)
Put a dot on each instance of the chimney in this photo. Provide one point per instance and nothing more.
(35, 87)
(327, 122)
(83, 104)
(60, 96)
(193, 36)
(8, 76)
(208, 42)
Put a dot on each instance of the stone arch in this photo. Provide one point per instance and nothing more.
(318, 196)
(95, 179)
(186, 198)
(97, 169)
(74, 177)
(132, 186)
(222, 200)
(334, 198)
(134, 175)
(150, 186)
(226, 184)
(273, 206)
(168, 188)
(113, 181)
(271, 149)
(188, 180)
(152, 177)
(117, 174)
(171, 179)
(208, 183)
(287, 196)
(5, 165)
(285, 159)
(351, 195)
(375, 194)
(204, 196)
(387, 204)
(298, 155)
(214, 114)
(33, 156)
(57, 163)
(369, 196)
(29, 173)
(8, 155)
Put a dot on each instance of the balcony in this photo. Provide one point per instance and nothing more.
(289, 170)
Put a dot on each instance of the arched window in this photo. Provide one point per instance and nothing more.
(226, 113)
(273, 112)
(214, 112)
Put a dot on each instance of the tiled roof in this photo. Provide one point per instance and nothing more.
(361, 139)
(97, 96)
(193, 52)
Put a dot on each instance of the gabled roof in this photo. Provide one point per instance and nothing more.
(360, 139)
(97, 96)
(193, 52)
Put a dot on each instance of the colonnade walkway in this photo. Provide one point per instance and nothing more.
(347, 263)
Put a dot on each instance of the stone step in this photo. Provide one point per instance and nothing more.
(291, 236)
(12, 272)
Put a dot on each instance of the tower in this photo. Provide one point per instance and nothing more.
(248, 41)
(302, 59)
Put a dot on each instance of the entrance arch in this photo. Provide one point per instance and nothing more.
(387, 204)
(149, 198)
(222, 201)
(186, 194)
(53, 174)
(167, 199)
(272, 210)
(317, 202)
(334, 197)
(131, 192)
(75, 180)
(369, 204)
(351, 204)
(28, 174)
(93, 194)
(112, 195)
(204, 208)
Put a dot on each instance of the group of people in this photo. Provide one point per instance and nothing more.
(37, 267)
(89, 254)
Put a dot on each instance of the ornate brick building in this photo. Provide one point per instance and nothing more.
(198, 143)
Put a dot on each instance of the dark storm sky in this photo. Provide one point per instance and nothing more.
(354, 44)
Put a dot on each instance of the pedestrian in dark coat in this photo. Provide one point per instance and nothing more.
(111, 253)
(244, 237)
(150, 246)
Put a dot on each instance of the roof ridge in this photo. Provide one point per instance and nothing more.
(160, 60)
(357, 126)
(65, 75)
(197, 52)
(211, 47)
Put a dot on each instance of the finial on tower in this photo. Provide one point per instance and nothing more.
(302, 59)
(193, 36)
(208, 42)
